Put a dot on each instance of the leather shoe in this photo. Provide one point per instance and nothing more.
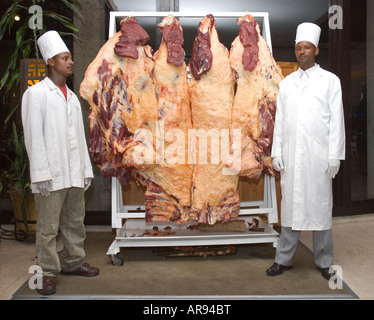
(49, 286)
(84, 270)
(325, 272)
(277, 269)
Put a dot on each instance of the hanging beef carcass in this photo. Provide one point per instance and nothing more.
(119, 89)
(254, 109)
(211, 89)
(169, 197)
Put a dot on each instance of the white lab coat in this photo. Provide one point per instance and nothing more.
(54, 137)
(309, 130)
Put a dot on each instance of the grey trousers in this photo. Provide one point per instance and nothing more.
(62, 210)
(323, 247)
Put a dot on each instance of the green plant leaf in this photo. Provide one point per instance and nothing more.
(7, 19)
(63, 20)
(4, 23)
(12, 65)
(14, 59)
(20, 34)
(14, 80)
(4, 77)
(56, 16)
(26, 50)
(74, 35)
(10, 115)
(77, 3)
(73, 8)
(14, 139)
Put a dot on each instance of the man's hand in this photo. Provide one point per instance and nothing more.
(278, 163)
(87, 183)
(332, 168)
(44, 187)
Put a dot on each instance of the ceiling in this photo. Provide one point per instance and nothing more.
(284, 16)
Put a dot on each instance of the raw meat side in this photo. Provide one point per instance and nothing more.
(120, 92)
(215, 196)
(258, 77)
(168, 198)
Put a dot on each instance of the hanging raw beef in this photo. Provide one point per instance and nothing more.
(211, 89)
(172, 137)
(169, 196)
(258, 76)
(119, 89)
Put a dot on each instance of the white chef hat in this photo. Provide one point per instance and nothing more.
(308, 31)
(50, 44)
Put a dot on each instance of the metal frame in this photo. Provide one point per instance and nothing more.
(131, 232)
(265, 15)
(266, 206)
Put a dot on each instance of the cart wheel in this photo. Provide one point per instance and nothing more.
(117, 259)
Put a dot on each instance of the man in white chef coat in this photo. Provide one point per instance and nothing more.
(60, 167)
(308, 144)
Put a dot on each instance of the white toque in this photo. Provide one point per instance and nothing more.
(308, 31)
(50, 44)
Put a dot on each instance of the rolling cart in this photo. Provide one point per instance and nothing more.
(131, 227)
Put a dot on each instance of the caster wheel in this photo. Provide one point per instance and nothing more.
(117, 259)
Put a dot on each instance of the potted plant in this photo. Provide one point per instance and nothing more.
(15, 177)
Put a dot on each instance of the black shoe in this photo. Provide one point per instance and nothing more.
(277, 269)
(326, 273)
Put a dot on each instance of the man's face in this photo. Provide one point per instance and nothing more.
(306, 54)
(62, 64)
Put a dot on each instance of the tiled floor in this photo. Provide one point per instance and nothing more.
(354, 253)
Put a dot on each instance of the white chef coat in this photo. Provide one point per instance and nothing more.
(54, 137)
(308, 131)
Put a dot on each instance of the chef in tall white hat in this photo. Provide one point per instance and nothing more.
(308, 144)
(306, 45)
(60, 166)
